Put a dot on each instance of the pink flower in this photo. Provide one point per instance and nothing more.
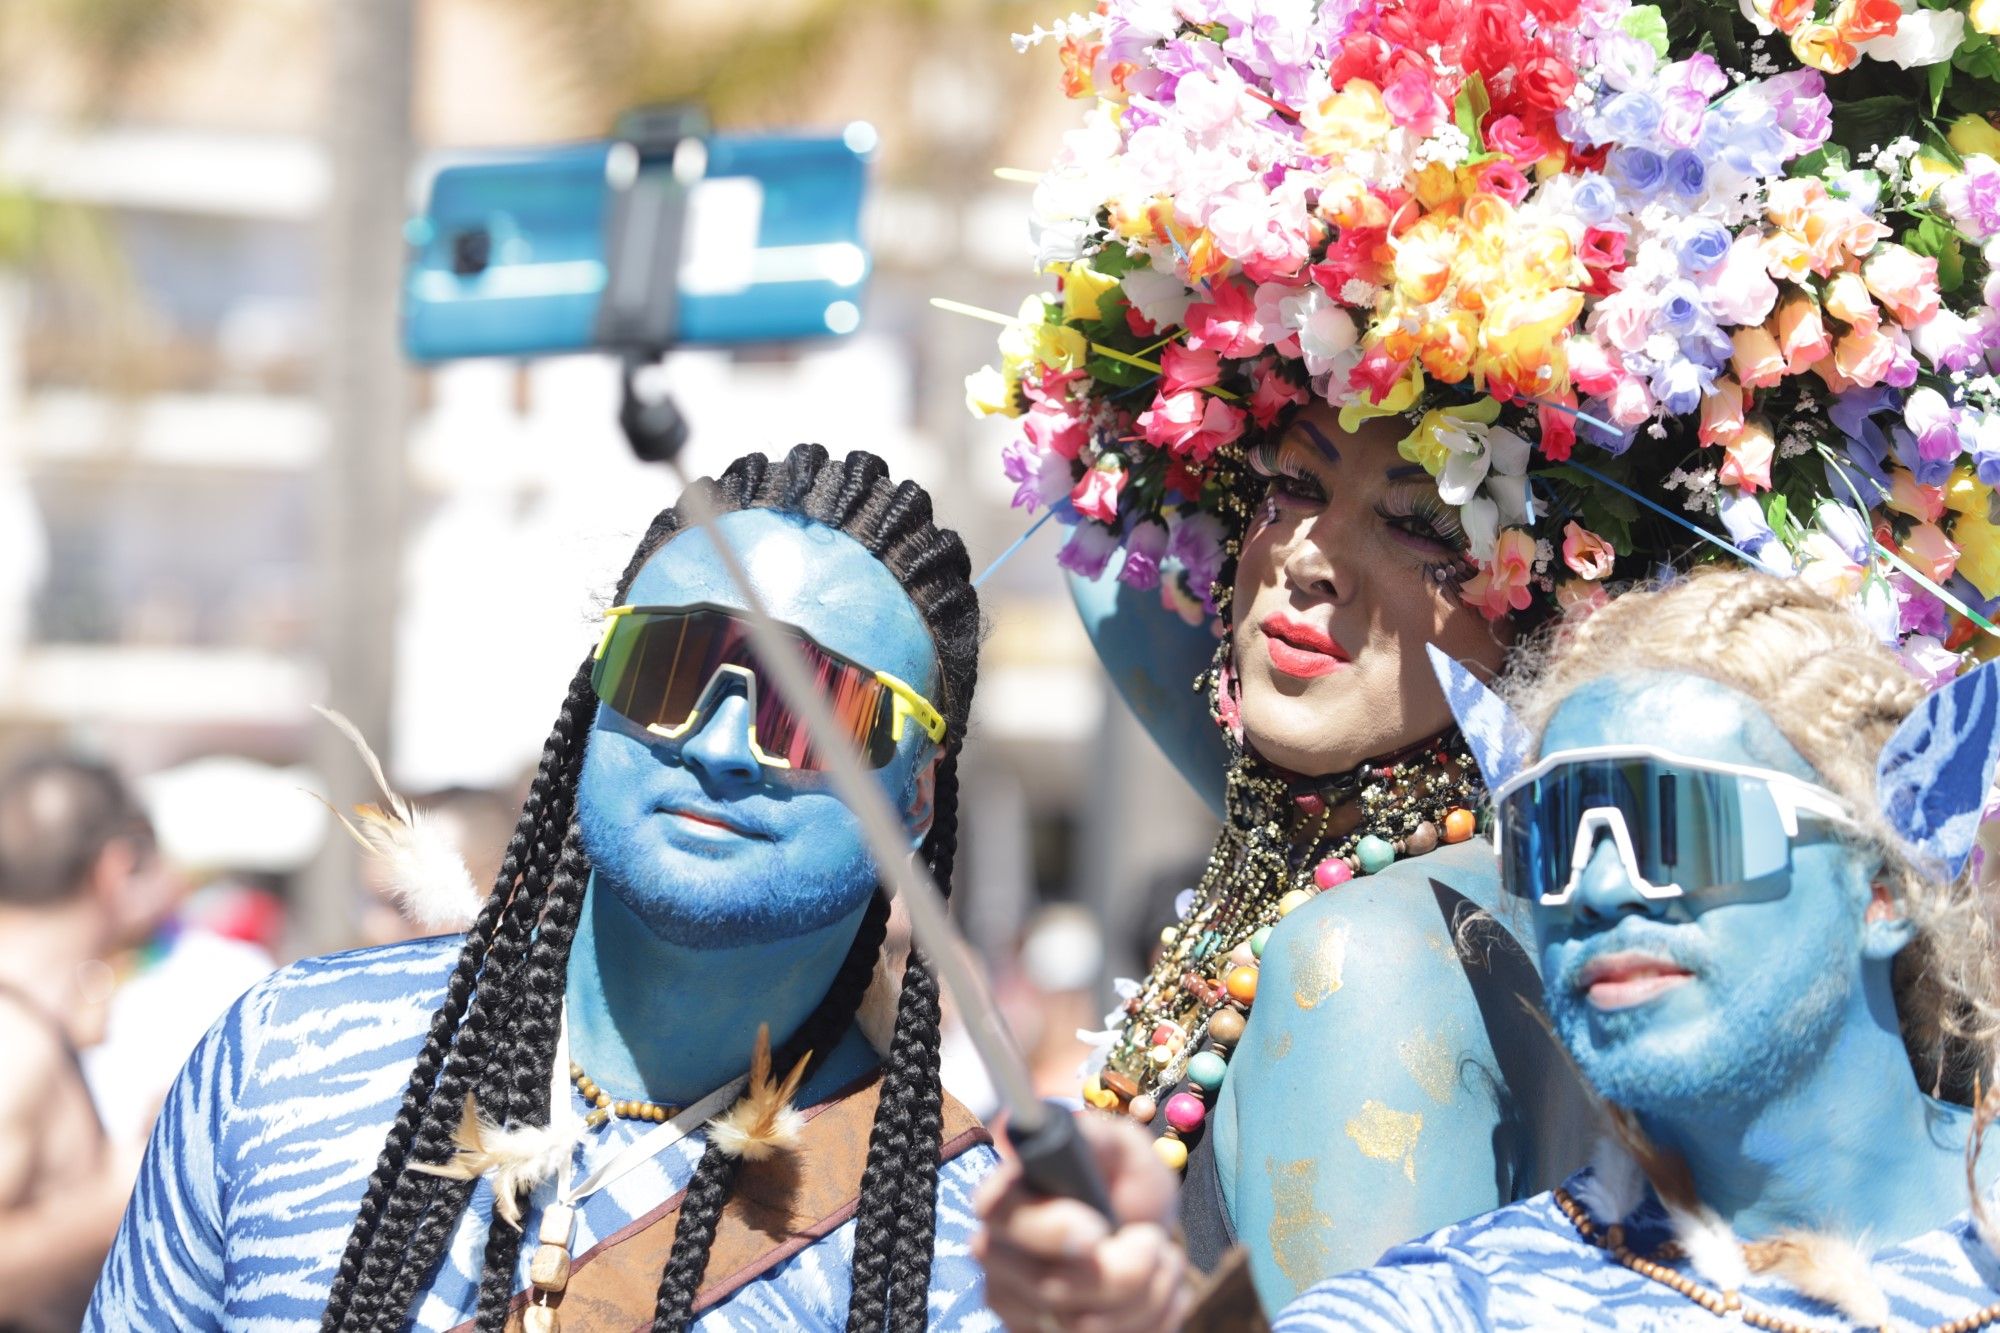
(1631, 404)
(1586, 553)
(1746, 462)
(1801, 335)
(1504, 585)
(1182, 369)
(1558, 430)
(1378, 373)
(1096, 496)
(1508, 136)
(1721, 413)
(1904, 281)
(1413, 102)
(1590, 367)
(1931, 551)
(1846, 298)
(1056, 429)
(1191, 425)
(1088, 549)
(1503, 178)
(1271, 394)
(1226, 324)
(1864, 356)
(1739, 290)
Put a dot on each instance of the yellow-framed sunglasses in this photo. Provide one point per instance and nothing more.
(661, 667)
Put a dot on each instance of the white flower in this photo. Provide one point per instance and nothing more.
(1486, 477)
(1162, 298)
(1922, 37)
(1326, 331)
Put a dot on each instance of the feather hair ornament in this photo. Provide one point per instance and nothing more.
(423, 871)
(1616, 1186)
(1830, 1269)
(517, 1158)
(763, 1122)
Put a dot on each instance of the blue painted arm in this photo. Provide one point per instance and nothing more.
(1390, 1081)
(1153, 657)
(165, 1269)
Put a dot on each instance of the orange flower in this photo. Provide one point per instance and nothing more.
(1078, 56)
(1503, 585)
(1747, 457)
(1448, 344)
(1801, 335)
(1586, 553)
(1721, 413)
(1847, 300)
(1757, 362)
(1821, 47)
(1860, 20)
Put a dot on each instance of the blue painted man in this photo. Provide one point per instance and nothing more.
(1745, 852)
(558, 1097)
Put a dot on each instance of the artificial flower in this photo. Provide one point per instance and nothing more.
(1588, 555)
(1503, 585)
(1096, 496)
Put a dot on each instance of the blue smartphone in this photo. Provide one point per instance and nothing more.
(520, 253)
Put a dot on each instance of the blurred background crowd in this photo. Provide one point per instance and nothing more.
(224, 498)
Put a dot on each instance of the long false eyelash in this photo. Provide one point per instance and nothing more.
(1263, 457)
(1441, 520)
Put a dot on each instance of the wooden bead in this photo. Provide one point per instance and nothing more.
(1458, 824)
(549, 1269)
(1142, 1109)
(1423, 838)
(540, 1319)
(558, 1222)
(1171, 1151)
(1241, 984)
(1121, 1086)
(1225, 1027)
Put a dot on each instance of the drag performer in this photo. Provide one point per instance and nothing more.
(545, 1123)
(1745, 850)
(1407, 323)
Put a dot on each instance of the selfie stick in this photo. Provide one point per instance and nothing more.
(1054, 1158)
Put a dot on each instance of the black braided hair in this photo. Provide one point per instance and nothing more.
(494, 1037)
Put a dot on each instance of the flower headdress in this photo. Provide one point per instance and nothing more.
(1609, 267)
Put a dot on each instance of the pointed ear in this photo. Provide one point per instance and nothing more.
(1495, 736)
(1934, 773)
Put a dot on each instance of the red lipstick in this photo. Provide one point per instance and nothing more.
(1300, 650)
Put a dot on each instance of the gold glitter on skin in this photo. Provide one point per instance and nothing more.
(1386, 1135)
(1319, 970)
(1429, 1061)
(1298, 1227)
(1281, 1048)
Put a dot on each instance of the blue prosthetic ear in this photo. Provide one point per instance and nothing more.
(1935, 771)
(1495, 736)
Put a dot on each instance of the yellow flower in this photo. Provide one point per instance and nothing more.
(1355, 117)
(1927, 172)
(1031, 339)
(1406, 392)
(1082, 288)
(1979, 553)
(1972, 134)
(1965, 493)
(1522, 339)
(1426, 445)
(989, 392)
(1984, 16)
(1821, 46)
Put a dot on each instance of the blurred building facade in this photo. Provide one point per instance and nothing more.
(162, 432)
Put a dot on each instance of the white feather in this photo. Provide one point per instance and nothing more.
(1713, 1250)
(421, 867)
(516, 1159)
(1829, 1269)
(1616, 1186)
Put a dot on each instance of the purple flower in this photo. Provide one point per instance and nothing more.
(1743, 517)
(1593, 423)
(1088, 549)
(1927, 470)
(1948, 340)
(1195, 540)
(1703, 241)
(1679, 307)
(1746, 138)
(1848, 529)
(1681, 385)
(1800, 102)
(1144, 547)
(1636, 170)
(1926, 658)
(1920, 612)
(1985, 439)
(1629, 117)
(1595, 200)
(1687, 174)
(1972, 199)
(1852, 409)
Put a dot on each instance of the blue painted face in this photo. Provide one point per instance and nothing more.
(1664, 1002)
(698, 839)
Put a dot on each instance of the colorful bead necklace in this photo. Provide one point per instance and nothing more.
(1276, 851)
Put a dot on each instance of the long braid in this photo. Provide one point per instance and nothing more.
(495, 1034)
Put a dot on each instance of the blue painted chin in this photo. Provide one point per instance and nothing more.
(702, 843)
(1654, 999)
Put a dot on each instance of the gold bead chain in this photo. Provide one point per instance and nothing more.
(1720, 1303)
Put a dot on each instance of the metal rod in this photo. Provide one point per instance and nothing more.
(888, 839)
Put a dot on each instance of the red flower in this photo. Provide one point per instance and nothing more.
(1379, 372)
(1546, 82)
(1558, 430)
(1141, 326)
(1184, 478)
(1871, 18)
(1096, 496)
(1053, 428)
(1191, 425)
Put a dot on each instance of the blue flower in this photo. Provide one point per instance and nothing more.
(1687, 174)
(1703, 243)
(1595, 200)
(1636, 170)
(1630, 117)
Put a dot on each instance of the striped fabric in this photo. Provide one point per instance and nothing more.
(1523, 1267)
(261, 1154)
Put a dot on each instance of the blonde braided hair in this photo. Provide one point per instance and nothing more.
(1837, 695)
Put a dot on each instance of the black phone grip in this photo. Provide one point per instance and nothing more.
(1056, 1161)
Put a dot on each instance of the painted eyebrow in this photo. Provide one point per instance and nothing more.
(1320, 442)
(1407, 470)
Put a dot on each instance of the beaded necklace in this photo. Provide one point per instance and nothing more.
(1721, 1304)
(1279, 847)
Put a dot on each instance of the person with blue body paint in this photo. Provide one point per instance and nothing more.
(1745, 850)
(545, 1122)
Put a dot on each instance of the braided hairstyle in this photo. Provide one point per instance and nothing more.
(1837, 695)
(494, 1036)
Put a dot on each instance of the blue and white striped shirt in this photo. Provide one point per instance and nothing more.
(260, 1157)
(1524, 1267)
